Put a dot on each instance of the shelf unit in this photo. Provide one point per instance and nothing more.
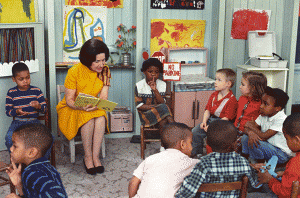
(277, 77)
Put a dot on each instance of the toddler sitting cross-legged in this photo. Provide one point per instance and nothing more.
(161, 174)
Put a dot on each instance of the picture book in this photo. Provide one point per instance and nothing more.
(84, 99)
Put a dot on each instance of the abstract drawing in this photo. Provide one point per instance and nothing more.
(245, 20)
(107, 3)
(81, 24)
(17, 11)
(172, 33)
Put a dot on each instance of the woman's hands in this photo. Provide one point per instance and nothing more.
(89, 108)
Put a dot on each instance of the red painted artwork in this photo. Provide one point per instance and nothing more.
(107, 3)
(245, 20)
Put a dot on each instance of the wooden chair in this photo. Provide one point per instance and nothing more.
(46, 117)
(77, 139)
(295, 189)
(5, 180)
(215, 187)
(147, 131)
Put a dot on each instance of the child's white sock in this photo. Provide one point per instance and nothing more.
(162, 149)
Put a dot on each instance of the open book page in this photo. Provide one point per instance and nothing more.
(83, 100)
(106, 105)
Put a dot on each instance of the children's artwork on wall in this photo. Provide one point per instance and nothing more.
(172, 72)
(17, 11)
(81, 24)
(245, 20)
(172, 33)
(178, 4)
(106, 3)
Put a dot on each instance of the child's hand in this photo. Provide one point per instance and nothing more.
(253, 139)
(20, 112)
(35, 104)
(203, 125)
(14, 174)
(258, 166)
(279, 173)
(264, 178)
(12, 195)
(152, 84)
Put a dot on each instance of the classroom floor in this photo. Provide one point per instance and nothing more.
(122, 158)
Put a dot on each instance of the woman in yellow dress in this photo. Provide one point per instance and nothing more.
(90, 76)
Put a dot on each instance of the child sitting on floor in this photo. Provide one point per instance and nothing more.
(253, 85)
(24, 102)
(283, 188)
(161, 174)
(264, 137)
(221, 166)
(150, 95)
(39, 178)
(222, 104)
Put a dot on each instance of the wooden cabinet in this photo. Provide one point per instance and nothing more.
(277, 77)
(190, 106)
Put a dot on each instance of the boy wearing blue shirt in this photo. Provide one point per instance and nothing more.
(24, 102)
(39, 178)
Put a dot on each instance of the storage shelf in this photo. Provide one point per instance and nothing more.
(196, 64)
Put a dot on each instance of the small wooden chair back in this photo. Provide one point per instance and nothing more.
(295, 189)
(215, 187)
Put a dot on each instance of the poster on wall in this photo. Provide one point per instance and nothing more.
(174, 33)
(178, 4)
(21, 11)
(106, 3)
(81, 24)
(245, 20)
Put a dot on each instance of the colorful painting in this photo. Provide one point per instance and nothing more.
(172, 33)
(178, 4)
(106, 3)
(17, 11)
(81, 24)
(245, 20)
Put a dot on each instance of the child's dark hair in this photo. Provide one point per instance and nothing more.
(221, 134)
(291, 125)
(35, 135)
(18, 67)
(229, 74)
(173, 133)
(280, 97)
(90, 49)
(257, 82)
(152, 62)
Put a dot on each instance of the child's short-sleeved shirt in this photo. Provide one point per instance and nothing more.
(275, 123)
(217, 168)
(161, 174)
(41, 179)
(250, 113)
(16, 98)
(226, 107)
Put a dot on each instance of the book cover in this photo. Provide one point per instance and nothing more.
(84, 99)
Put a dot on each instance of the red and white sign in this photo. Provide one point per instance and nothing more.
(160, 56)
(172, 72)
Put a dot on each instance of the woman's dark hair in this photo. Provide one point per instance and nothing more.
(152, 62)
(90, 49)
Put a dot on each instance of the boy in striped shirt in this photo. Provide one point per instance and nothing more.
(39, 178)
(24, 102)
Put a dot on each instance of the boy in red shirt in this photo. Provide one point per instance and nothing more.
(222, 104)
(283, 188)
